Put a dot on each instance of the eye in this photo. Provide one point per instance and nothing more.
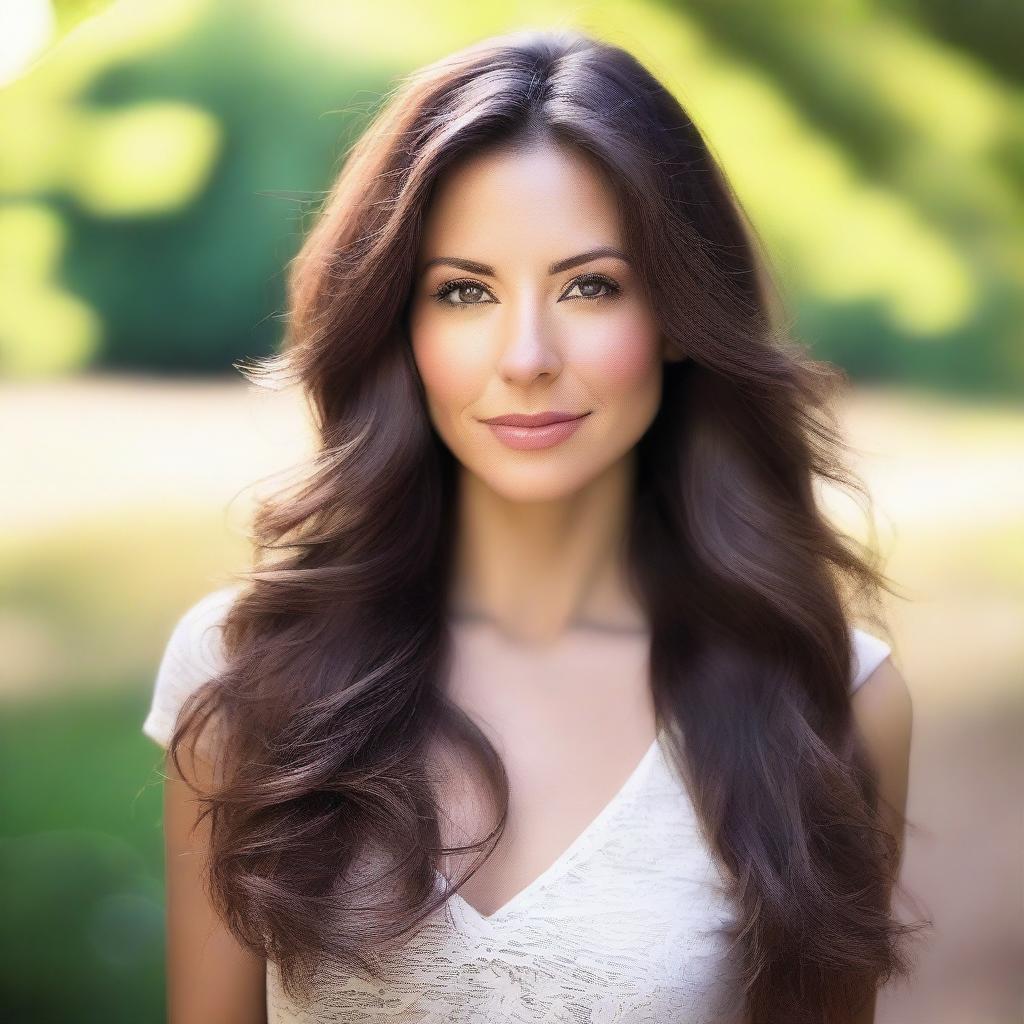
(469, 292)
(591, 281)
(458, 287)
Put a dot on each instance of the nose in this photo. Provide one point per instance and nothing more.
(529, 346)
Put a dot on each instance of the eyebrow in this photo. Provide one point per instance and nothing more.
(473, 267)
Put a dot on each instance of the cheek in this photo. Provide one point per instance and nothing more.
(622, 361)
(449, 372)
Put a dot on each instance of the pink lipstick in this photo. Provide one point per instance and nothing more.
(527, 432)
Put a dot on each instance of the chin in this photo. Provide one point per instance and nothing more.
(535, 484)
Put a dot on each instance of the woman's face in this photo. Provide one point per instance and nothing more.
(497, 327)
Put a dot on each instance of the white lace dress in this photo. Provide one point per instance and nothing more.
(627, 925)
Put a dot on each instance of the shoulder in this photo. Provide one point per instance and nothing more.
(875, 682)
(882, 703)
(883, 713)
(192, 655)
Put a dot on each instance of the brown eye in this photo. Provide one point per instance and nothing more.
(589, 288)
(468, 292)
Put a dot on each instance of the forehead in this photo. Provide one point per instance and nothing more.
(542, 201)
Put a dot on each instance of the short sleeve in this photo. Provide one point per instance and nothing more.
(868, 653)
(192, 656)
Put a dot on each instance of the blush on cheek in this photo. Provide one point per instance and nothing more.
(440, 370)
(454, 375)
(624, 361)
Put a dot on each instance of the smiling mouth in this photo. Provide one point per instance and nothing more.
(538, 419)
(537, 436)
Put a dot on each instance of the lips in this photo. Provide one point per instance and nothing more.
(530, 433)
(537, 419)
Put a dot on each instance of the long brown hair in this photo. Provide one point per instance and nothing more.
(325, 837)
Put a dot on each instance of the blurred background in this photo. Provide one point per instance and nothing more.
(159, 162)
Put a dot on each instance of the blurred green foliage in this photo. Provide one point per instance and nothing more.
(85, 613)
(81, 863)
(159, 164)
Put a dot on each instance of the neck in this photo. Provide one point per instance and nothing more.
(536, 570)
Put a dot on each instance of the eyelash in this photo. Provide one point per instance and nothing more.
(448, 287)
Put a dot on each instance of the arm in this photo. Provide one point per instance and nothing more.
(883, 713)
(210, 977)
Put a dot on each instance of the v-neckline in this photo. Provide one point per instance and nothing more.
(583, 839)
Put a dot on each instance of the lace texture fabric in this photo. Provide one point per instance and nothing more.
(629, 924)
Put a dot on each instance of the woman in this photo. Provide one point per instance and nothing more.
(554, 620)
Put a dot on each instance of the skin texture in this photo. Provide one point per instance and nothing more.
(540, 530)
(210, 976)
(883, 712)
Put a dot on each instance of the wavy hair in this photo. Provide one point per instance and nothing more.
(325, 838)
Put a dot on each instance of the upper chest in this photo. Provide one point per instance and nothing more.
(571, 724)
(602, 901)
